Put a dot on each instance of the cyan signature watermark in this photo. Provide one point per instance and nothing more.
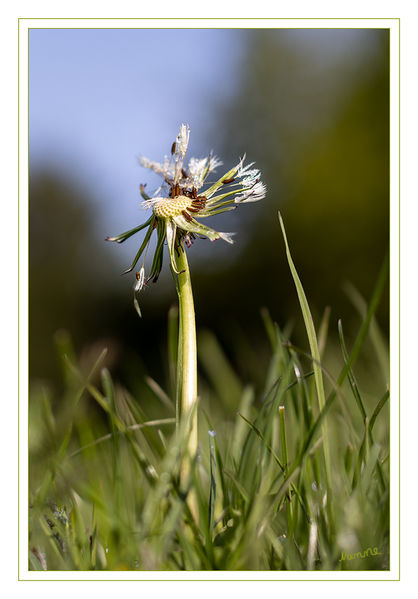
(369, 552)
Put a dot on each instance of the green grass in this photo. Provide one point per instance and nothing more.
(288, 478)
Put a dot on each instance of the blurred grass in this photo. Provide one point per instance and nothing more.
(105, 489)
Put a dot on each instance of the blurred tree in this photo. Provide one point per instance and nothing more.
(318, 128)
(75, 286)
(68, 288)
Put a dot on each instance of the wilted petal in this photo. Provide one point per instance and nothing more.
(214, 162)
(195, 227)
(255, 193)
(197, 171)
(182, 142)
(147, 204)
(227, 237)
(165, 169)
(140, 278)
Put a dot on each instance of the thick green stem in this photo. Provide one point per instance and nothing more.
(187, 376)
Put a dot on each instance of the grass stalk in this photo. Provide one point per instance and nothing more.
(313, 344)
(289, 507)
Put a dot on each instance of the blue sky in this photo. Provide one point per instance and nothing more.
(101, 97)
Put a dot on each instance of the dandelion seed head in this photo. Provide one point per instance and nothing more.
(170, 207)
(184, 197)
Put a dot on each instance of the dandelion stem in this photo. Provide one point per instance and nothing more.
(187, 377)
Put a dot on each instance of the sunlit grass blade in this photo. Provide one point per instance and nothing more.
(127, 430)
(378, 408)
(240, 430)
(368, 438)
(270, 328)
(159, 392)
(219, 370)
(313, 344)
(376, 334)
(212, 495)
(283, 467)
(52, 469)
(66, 354)
(84, 381)
(374, 303)
(283, 441)
(309, 325)
(323, 330)
(350, 374)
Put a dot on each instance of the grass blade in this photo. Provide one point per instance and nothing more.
(313, 344)
(350, 374)
(212, 495)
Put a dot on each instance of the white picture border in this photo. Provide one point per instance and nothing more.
(24, 26)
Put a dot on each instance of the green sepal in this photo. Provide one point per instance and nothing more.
(157, 262)
(233, 192)
(171, 230)
(143, 193)
(209, 213)
(209, 192)
(124, 236)
(195, 227)
(206, 169)
(142, 248)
